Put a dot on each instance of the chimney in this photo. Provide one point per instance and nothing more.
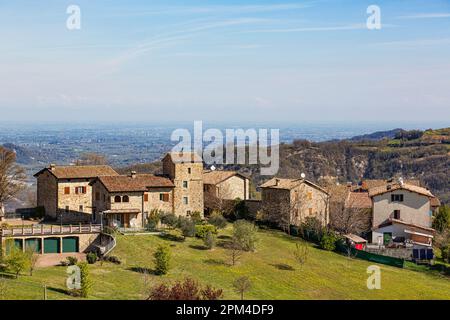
(400, 181)
(349, 184)
(133, 174)
(277, 181)
(52, 166)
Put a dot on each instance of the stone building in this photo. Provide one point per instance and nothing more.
(221, 188)
(65, 192)
(185, 170)
(291, 201)
(80, 194)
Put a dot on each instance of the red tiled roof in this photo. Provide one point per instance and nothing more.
(359, 200)
(392, 187)
(80, 172)
(141, 182)
(396, 221)
(217, 176)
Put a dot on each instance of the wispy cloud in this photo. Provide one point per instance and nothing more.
(309, 29)
(414, 43)
(426, 15)
(221, 9)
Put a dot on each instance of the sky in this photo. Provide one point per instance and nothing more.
(162, 61)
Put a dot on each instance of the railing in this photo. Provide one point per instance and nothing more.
(50, 229)
(110, 245)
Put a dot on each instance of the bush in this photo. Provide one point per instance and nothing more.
(328, 241)
(16, 261)
(153, 219)
(91, 257)
(241, 211)
(244, 235)
(196, 217)
(217, 220)
(209, 240)
(202, 229)
(71, 261)
(162, 259)
(170, 220)
(86, 282)
(39, 212)
(311, 229)
(184, 290)
(187, 227)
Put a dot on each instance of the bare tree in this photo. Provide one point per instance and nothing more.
(347, 217)
(301, 252)
(234, 252)
(242, 285)
(91, 158)
(12, 177)
(219, 199)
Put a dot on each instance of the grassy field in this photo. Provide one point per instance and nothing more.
(272, 270)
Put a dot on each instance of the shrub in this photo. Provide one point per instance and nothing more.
(244, 235)
(170, 220)
(91, 257)
(86, 283)
(196, 217)
(311, 229)
(241, 211)
(202, 229)
(16, 261)
(217, 220)
(187, 227)
(328, 241)
(188, 289)
(153, 219)
(441, 220)
(39, 212)
(71, 261)
(209, 240)
(162, 259)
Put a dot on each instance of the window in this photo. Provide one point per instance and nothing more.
(164, 197)
(396, 214)
(81, 208)
(66, 190)
(189, 170)
(104, 197)
(97, 196)
(185, 184)
(309, 195)
(145, 197)
(310, 211)
(396, 197)
(185, 200)
(188, 213)
(94, 215)
(67, 209)
(117, 199)
(80, 190)
(125, 199)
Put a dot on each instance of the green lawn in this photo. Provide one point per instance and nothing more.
(272, 269)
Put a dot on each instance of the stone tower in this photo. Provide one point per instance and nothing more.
(186, 171)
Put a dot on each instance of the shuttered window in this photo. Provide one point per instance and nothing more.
(66, 190)
(146, 197)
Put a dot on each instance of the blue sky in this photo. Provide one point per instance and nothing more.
(225, 60)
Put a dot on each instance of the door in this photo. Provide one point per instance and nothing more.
(51, 245)
(126, 220)
(387, 237)
(70, 244)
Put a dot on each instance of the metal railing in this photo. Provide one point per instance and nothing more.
(50, 229)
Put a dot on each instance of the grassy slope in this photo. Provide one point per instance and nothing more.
(326, 275)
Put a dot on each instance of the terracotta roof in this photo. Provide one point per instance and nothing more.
(217, 176)
(288, 184)
(396, 221)
(183, 157)
(359, 200)
(80, 172)
(338, 192)
(392, 187)
(141, 182)
(367, 184)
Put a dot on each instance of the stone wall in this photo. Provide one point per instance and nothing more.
(79, 204)
(47, 193)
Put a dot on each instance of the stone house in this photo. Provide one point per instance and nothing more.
(291, 201)
(221, 188)
(81, 194)
(401, 212)
(65, 192)
(125, 200)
